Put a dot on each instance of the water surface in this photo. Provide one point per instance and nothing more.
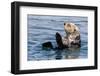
(43, 28)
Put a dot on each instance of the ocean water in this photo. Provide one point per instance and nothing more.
(43, 28)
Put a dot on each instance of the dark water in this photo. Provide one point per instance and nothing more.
(43, 28)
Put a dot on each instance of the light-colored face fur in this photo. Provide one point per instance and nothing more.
(72, 33)
(70, 28)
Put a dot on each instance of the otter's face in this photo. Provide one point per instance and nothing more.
(69, 27)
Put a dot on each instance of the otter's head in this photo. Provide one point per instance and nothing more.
(70, 28)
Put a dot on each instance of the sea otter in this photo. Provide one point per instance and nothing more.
(72, 38)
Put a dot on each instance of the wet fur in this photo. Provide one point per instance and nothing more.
(72, 38)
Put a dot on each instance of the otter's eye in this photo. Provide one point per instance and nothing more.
(74, 29)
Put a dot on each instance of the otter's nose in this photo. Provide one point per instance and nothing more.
(64, 24)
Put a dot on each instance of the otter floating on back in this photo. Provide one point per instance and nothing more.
(70, 40)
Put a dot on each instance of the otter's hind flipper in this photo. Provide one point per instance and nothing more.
(47, 45)
(59, 41)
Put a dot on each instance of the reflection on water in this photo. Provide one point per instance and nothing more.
(43, 28)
